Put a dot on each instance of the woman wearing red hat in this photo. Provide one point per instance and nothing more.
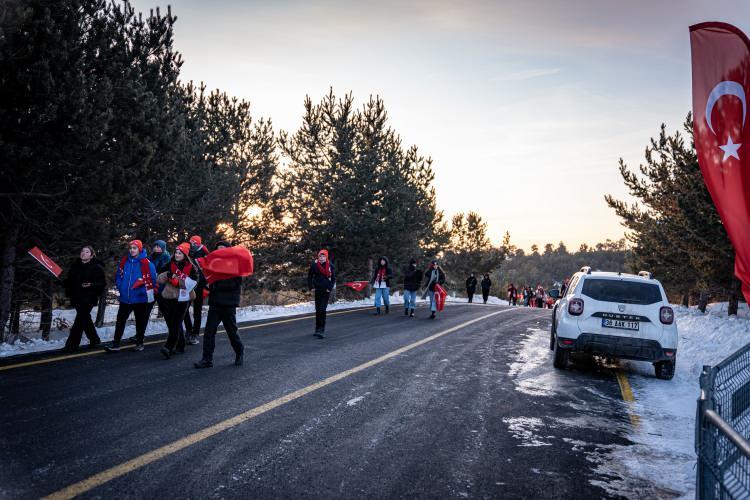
(322, 279)
(136, 282)
(179, 281)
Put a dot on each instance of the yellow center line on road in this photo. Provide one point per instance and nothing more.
(117, 471)
(150, 342)
(628, 397)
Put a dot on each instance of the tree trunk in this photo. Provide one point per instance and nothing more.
(734, 297)
(15, 320)
(7, 276)
(45, 325)
(703, 301)
(101, 307)
(686, 298)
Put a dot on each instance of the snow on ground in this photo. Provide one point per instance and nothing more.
(661, 459)
(156, 325)
(664, 442)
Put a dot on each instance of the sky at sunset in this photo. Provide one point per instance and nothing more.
(525, 107)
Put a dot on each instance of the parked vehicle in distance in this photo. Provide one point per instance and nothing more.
(616, 315)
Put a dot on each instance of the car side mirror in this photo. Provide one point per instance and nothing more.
(555, 293)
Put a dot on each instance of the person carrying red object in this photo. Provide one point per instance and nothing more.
(321, 278)
(434, 276)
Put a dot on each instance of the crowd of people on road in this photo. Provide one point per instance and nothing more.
(174, 282)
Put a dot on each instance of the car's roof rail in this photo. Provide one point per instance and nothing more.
(585, 269)
(646, 274)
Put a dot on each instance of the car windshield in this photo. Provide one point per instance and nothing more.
(623, 292)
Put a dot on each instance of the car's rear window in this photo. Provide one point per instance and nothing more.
(624, 292)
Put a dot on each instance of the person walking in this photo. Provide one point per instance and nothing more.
(486, 285)
(471, 287)
(161, 258)
(83, 285)
(197, 250)
(135, 280)
(539, 296)
(512, 294)
(179, 280)
(223, 300)
(412, 280)
(381, 282)
(434, 276)
(322, 278)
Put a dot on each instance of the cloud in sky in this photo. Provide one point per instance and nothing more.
(525, 107)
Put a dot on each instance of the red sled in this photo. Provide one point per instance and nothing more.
(440, 296)
(356, 285)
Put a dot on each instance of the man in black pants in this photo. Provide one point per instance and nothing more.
(322, 279)
(223, 300)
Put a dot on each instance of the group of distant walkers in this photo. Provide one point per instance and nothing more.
(176, 281)
(171, 281)
(322, 279)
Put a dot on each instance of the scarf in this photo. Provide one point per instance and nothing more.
(380, 276)
(325, 271)
(179, 274)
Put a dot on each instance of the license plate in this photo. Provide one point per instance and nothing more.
(621, 324)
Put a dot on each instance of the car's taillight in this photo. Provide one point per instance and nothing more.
(666, 315)
(575, 307)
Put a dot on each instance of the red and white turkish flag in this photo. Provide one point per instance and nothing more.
(721, 85)
(49, 264)
(357, 285)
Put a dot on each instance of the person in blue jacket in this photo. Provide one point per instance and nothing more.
(136, 283)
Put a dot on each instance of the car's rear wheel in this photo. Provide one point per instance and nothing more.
(561, 358)
(665, 369)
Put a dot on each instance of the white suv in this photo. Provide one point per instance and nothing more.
(615, 315)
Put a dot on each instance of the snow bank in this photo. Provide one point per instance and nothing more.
(664, 442)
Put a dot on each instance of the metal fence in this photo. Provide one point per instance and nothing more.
(722, 429)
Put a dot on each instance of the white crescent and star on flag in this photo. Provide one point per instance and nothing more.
(728, 87)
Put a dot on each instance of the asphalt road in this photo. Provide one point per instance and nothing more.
(477, 412)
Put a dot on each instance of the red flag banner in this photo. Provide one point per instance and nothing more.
(440, 296)
(225, 263)
(49, 264)
(721, 86)
(356, 285)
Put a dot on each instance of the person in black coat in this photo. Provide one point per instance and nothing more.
(486, 285)
(471, 287)
(412, 280)
(322, 278)
(83, 285)
(223, 300)
(197, 250)
(434, 276)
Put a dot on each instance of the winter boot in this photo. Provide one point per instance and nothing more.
(411, 314)
(406, 312)
(165, 352)
(432, 316)
(387, 309)
(377, 312)
(239, 359)
(204, 363)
